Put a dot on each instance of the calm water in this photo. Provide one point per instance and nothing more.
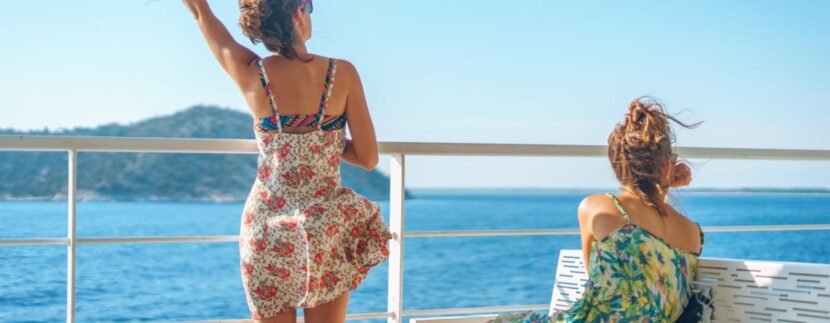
(170, 282)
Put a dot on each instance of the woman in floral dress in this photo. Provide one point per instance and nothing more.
(305, 239)
(641, 253)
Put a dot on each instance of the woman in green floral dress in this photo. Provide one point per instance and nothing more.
(641, 253)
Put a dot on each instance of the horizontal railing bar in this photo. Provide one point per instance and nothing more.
(490, 233)
(445, 311)
(760, 228)
(173, 239)
(507, 150)
(115, 240)
(554, 232)
(248, 146)
(407, 234)
(752, 153)
(32, 242)
(366, 316)
(476, 310)
(128, 144)
(349, 317)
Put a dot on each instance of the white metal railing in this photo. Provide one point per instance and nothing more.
(398, 151)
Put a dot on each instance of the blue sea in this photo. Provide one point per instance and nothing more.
(200, 281)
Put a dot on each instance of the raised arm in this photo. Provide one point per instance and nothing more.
(237, 60)
(362, 149)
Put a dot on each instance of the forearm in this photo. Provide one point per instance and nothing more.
(197, 7)
(212, 29)
(233, 57)
(351, 156)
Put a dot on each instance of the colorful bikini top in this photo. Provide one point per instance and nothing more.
(329, 122)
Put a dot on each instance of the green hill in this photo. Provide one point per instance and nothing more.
(163, 177)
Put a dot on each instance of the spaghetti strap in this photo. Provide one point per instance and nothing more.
(327, 89)
(619, 207)
(263, 78)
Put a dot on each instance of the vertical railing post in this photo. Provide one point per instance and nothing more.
(397, 194)
(70, 252)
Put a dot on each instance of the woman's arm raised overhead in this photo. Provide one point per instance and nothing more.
(237, 60)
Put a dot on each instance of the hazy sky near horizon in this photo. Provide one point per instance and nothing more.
(557, 72)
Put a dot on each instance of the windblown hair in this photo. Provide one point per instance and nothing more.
(640, 146)
(270, 22)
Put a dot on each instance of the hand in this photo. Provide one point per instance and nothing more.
(682, 175)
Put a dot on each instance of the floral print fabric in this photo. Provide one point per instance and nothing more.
(634, 276)
(305, 239)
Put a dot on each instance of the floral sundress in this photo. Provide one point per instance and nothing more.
(305, 239)
(634, 276)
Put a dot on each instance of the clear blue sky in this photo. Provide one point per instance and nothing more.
(757, 73)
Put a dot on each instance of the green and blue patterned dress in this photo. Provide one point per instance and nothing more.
(635, 276)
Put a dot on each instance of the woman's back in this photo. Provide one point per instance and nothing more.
(605, 216)
(297, 86)
(643, 269)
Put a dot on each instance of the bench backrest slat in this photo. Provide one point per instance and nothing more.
(744, 290)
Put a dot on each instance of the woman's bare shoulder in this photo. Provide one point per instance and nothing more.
(597, 206)
(346, 71)
(689, 230)
(592, 202)
(599, 215)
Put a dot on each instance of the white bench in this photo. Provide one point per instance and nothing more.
(744, 290)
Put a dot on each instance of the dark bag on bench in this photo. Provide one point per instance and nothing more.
(701, 308)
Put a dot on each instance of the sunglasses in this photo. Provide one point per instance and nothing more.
(307, 6)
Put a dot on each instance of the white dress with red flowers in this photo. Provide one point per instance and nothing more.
(305, 239)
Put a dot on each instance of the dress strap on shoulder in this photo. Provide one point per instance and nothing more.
(619, 207)
(327, 89)
(263, 78)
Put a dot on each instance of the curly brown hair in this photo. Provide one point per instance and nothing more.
(640, 146)
(270, 22)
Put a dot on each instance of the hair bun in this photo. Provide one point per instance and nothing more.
(640, 146)
(636, 110)
(645, 125)
(270, 22)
